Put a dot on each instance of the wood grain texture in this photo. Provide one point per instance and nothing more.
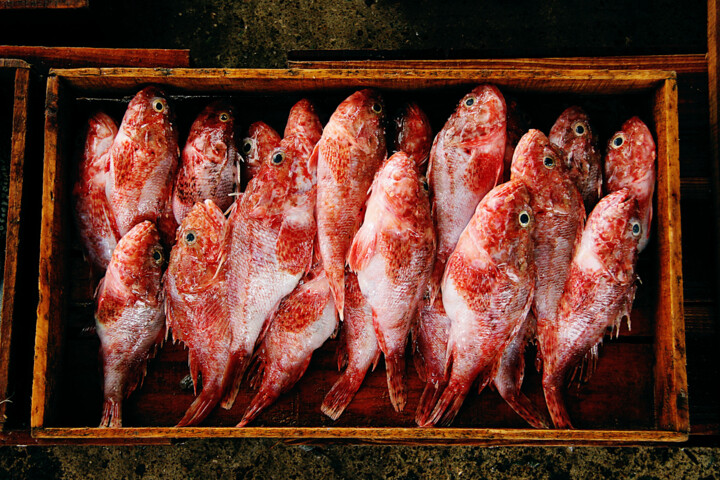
(54, 57)
(43, 4)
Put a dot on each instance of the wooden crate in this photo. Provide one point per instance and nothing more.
(638, 395)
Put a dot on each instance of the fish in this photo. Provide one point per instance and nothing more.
(195, 288)
(413, 133)
(598, 294)
(143, 160)
(487, 292)
(129, 316)
(466, 162)
(518, 123)
(269, 238)
(392, 254)
(574, 134)
(630, 163)
(358, 349)
(302, 323)
(348, 155)
(559, 221)
(96, 223)
(208, 162)
(261, 140)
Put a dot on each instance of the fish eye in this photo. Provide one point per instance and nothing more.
(469, 102)
(377, 108)
(579, 129)
(247, 145)
(190, 237)
(617, 140)
(549, 162)
(157, 256)
(278, 158)
(158, 105)
(636, 229)
(424, 183)
(224, 117)
(524, 218)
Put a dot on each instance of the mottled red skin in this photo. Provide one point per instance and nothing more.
(195, 292)
(269, 239)
(598, 293)
(413, 134)
(96, 223)
(487, 292)
(466, 162)
(129, 316)
(260, 141)
(302, 323)
(348, 156)
(573, 133)
(143, 161)
(358, 349)
(518, 124)
(208, 162)
(632, 165)
(392, 254)
(559, 221)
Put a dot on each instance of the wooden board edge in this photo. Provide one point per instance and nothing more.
(93, 57)
(44, 5)
(12, 236)
(671, 390)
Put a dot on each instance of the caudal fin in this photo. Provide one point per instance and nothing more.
(262, 400)
(342, 393)
(552, 387)
(112, 413)
(450, 402)
(202, 406)
(428, 400)
(395, 370)
(526, 409)
(232, 379)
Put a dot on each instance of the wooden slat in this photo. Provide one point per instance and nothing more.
(696, 63)
(42, 4)
(714, 118)
(55, 57)
(670, 375)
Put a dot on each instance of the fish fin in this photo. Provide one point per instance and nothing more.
(418, 358)
(112, 413)
(194, 370)
(449, 403)
(342, 349)
(522, 405)
(552, 386)
(232, 379)
(263, 399)
(362, 248)
(256, 369)
(427, 402)
(376, 360)
(342, 393)
(313, 159)
(337, 288)
(202, 405)
(395, 371)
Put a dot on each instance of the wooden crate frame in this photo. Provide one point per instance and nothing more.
(670, 385)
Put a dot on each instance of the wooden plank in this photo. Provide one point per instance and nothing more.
(681, 64)
(670, 375)
(714, 118)
(43, 4)
(55, 57)
(12, 236)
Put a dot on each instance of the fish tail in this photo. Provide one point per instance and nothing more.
(337, 287)
(450, 402)
(261, 401)
(522, 405)
(202, 406)
(342, 393)
(232, 379)
(112, 413)
(552, 385)
(428, 400)
(395, 370)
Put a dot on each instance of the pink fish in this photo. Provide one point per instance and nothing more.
(208, 163)
(358, 349)
(98, 230)
(392, 254)
(197, 315)
(261, 140)
(487, 292)
(302, 323)
(598, 294)
(349, 153)
(129, 317)
(466, 162)
(630, 163)
(269, 239)
(143, 160)
(573, 133)
(413, 133)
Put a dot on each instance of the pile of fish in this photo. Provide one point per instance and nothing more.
(276, 242)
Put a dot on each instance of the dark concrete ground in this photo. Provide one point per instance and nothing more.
(260, 33)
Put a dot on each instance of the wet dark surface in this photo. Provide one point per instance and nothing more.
(260, 33)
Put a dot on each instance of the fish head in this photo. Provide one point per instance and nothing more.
(261, 140)
(404, 191)
(198, 252)
(479, 117)
(630, 155)
(363, 115)
(412, 132)
(302, 132)
(147, 108)
(138, 260)
(216, 127)
(574, 135)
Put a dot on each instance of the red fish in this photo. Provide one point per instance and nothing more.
(413, 133)
(208, 164)
(487, 292)
(559, 220)
(392, 254)
(129, 317)
(630, 163)
(195, 292)
(598, 294)
(349, 153)
(98, 231)
(302, 323)
(358, 349)
(262, 139)
(466, 162)
(143, 160)
(573, 133)
(269, 239)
